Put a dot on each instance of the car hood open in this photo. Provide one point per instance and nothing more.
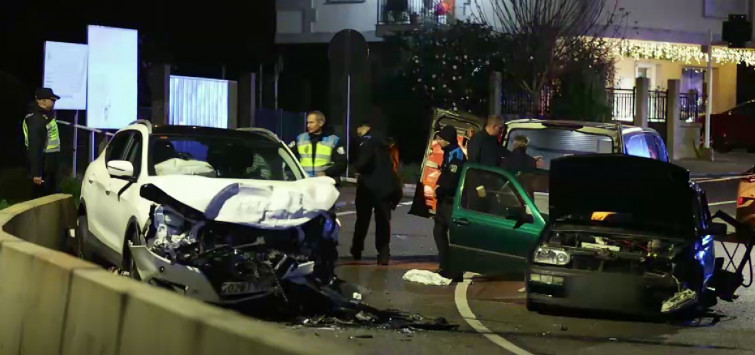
(649, 194)
(256, 203)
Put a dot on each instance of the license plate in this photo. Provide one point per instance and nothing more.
(237, 288)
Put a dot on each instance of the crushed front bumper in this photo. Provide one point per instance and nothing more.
(598, 291)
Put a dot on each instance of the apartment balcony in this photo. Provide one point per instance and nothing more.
(404, 15)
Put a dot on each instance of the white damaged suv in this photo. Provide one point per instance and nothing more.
(225, 216)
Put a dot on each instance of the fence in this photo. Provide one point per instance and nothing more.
(622, 102)
(286, 125)
(79, 145)
(522, 103)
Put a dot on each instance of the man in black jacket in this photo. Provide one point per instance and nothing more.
(484, 147)
(448, 183)
(42, 143)
(519, 160)
(377, 189)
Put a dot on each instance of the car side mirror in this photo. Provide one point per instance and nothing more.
(716, 229)
(120, 169)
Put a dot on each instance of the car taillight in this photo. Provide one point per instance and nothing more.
(740, 201)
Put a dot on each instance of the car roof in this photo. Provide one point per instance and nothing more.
(212, 132)
(604, 128)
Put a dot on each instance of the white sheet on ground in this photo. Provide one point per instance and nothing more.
(258, 203)
(426, 277)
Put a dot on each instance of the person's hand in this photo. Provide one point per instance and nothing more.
(38, 181)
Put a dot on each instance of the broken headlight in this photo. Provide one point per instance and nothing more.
(551, 256)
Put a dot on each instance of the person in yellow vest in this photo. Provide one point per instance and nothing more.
(42, 143)
(319, 150)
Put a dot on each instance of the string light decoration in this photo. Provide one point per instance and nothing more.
(679, 52)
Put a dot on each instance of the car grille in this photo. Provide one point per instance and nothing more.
(591, 263)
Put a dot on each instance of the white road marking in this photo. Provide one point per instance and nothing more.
(460, 298)
(722, 203)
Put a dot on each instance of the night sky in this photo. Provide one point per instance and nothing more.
(199, 39)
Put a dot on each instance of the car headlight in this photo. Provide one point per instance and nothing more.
(331, 228)
(551, 256)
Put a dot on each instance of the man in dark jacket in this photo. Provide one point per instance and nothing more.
(519, 160)
(319, 150)
(483, 147)
(377, 189)
(448, 183)
(42, 143)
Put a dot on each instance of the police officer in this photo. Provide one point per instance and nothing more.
(42, 142)
(378, 189)
(453, 162)
(319, 150)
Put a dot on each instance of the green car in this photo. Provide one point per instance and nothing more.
(495, 223)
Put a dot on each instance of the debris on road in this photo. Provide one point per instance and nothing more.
(426, 277)
(361, 337)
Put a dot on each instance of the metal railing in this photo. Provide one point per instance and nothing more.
(622, 103)
(414, 12)
(689, 106)
(522, 103)
(80, 145)
(657, 106)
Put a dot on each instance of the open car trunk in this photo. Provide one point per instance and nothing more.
(466, 125)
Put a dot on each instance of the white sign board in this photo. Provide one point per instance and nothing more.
(113, 74)
(66, 74)
(198, 102)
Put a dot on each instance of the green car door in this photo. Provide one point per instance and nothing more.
(494, 224)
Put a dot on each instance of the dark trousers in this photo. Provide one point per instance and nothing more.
(48, 187)
(366, 203)
(440, 231)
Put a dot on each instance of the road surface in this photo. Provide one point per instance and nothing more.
(492, 315)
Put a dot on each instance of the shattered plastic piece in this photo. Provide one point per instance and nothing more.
(521, 290)
(426, 277)
(357, 296)
(361, 337)
(679, 301)
(365, 317)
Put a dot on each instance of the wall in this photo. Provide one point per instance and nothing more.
(54, 303)
(316, 21)
(724, 78)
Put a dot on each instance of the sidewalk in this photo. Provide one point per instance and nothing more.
(732, 163)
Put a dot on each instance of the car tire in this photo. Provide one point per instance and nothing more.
(82, 230)
(533, 306)
(128, 261)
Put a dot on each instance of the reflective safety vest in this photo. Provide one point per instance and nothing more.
(53, 137)
(322, 158)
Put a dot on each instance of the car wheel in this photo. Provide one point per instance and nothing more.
(533, 306)
(129, 263)
(82, 229)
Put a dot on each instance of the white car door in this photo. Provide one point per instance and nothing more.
(114, 217)
(97, 181)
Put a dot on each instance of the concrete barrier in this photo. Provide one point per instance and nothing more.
(54, 303)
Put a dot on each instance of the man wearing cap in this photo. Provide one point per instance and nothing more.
(42, 142)
(448, 182)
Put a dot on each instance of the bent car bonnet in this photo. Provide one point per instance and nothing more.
(261, 204)
(653, 195)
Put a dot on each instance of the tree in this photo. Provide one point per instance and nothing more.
(449, 66)
(548, 33)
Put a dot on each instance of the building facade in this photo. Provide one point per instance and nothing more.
(664, 38)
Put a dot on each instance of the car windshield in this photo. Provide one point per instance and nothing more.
(552, 143)
(251, 157)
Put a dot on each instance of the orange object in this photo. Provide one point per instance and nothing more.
(393, 150)
(601, 216)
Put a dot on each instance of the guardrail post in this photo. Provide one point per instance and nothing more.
(75, 141)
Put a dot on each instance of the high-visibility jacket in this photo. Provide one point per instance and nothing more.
(53, 136)
(323, 153)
